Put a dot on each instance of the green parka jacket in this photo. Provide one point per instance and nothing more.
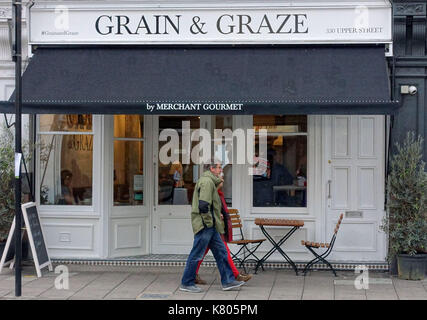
(206, 205)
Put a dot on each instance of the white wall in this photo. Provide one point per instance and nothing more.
(7, 66)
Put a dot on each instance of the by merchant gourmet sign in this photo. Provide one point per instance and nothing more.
(58, 24)
(195, 107)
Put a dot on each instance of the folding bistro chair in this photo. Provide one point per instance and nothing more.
(316, 245)
(247, 247)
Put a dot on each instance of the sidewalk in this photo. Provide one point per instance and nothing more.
(162, 283)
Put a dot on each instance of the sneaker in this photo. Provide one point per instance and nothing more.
(244, 277)
(192, 289)
(200, 280)
(233, 285)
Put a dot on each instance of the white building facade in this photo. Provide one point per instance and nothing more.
(124, 202)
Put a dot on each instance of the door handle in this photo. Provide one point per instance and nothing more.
(329, 189)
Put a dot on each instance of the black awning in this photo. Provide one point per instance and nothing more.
(207, 80)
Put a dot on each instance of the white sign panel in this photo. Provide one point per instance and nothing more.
(324, 24)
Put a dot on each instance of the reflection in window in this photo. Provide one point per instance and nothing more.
(284, 182)
(223, 150)
(66, 169)
(65, 122)
(177, 180)
(128, 160)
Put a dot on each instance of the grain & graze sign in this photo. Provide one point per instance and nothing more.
(201, 24)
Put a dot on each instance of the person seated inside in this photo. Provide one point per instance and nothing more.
(166, 186)
(280, 174)
(67, 195)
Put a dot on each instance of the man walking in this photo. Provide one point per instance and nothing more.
(207, 225)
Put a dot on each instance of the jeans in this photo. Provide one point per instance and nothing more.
(230, 259)
(204, 238)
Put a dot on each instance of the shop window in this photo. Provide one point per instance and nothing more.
(65, 122)
(283, 182)
(223, 151)
(66, 159)
(177, 178)
(128, 160)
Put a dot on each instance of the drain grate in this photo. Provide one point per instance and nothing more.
(144, 296)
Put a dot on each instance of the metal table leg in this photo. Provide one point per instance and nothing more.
(276, 246)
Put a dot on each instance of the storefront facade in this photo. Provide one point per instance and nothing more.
(104, 191)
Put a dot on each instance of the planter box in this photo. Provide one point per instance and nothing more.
(393, 267)
(412, 267)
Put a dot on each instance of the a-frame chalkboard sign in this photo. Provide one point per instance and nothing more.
(9, 249)
(35, 236)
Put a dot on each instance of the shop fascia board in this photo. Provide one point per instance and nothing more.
(126, 5)
(382, 11)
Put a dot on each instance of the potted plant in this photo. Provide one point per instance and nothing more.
(7, 190)
(406, 218)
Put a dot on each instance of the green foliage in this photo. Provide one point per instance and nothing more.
(406, 219)
(7, 172)
(7, 192)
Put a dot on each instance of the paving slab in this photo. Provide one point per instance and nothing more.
(75, 283)
(165, 284)
(108, 280)
(257, 288)
(100, 288)
(18, 298)
(162, 283)
(24, 279)
(215, 292)
(40, 283)
(210, 275)
(318, 287)
(409, 290)
(88, 293)
(4, 276)
(81, 280)
(287, 286)
(180, 295)
(346, 292)
(132, 286)
(7, 284)
(31, 292)
(318, 295)
(381, 292)
(56, 294)
(4, 292)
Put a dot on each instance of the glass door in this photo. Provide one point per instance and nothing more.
(175, 177)
(128, 178)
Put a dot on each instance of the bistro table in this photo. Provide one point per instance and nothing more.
(295, 224)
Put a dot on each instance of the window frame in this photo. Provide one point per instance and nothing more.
(143, 140)
(310, 175)
(65, 211)
(203, 124)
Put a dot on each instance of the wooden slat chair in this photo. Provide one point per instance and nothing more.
(316, 245)
(247, 247)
